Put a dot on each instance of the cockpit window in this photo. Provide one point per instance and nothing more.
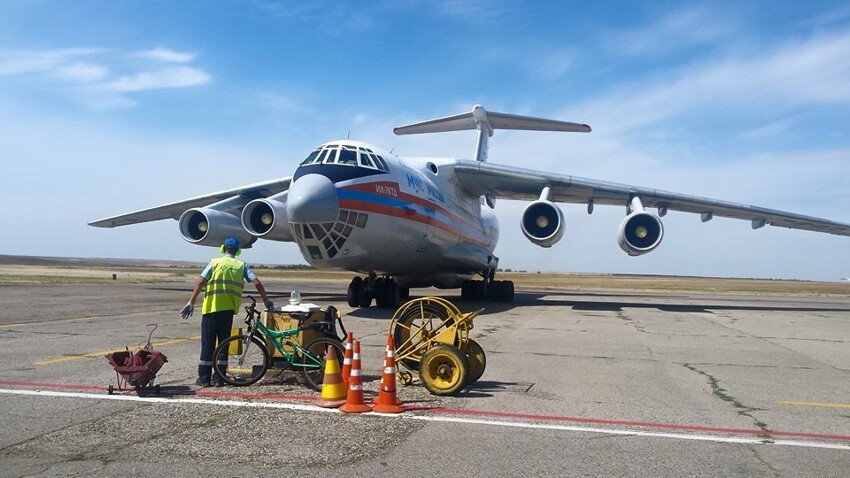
(366, 161)
(347, 156)
(380, 162)
(310, 157)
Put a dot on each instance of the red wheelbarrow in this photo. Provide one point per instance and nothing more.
(137, 369)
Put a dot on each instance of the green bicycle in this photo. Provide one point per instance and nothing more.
(244, 359)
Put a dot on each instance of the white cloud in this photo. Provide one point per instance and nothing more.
(800, 73)
(182, 77)
(166, 55)
(22, 62)
(107, 76)
(692, 26)
(82, 72)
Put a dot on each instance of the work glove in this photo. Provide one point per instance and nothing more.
(269, 304)
(187, 310)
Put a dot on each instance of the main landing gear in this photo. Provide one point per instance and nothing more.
(488, 289)
(385, 291)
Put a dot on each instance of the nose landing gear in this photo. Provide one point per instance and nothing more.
(385, 290)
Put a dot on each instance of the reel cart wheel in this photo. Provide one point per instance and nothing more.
(444, 370)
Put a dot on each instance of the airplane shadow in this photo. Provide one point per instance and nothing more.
(534, 299)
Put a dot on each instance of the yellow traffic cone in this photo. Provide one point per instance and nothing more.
(333, 390)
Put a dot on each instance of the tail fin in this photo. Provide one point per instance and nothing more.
(486, 122)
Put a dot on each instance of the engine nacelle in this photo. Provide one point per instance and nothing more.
(210, 227)
(640, 232)
(266, 218)
(543, 223)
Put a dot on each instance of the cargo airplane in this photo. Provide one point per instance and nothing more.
(419, 222)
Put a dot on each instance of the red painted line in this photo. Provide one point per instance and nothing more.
(479, 413)
(601, 421)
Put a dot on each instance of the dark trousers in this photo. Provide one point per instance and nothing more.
(215, 326)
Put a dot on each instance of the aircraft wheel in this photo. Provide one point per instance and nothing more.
(363, 298)
(392, 294)
(354, 289)
(380, 293)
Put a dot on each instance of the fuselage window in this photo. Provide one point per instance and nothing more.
(310, 157)
(347, 156)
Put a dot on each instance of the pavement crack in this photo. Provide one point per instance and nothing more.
(724, 395)
(764, 462)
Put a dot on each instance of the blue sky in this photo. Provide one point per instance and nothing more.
(109, 107)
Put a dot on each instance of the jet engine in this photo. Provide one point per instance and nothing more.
(266, 218)
(640, 232)
(543, 223)
(210, 227)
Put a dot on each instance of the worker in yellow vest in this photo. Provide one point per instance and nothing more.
(222, 281)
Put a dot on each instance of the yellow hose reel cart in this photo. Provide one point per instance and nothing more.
(432, 338)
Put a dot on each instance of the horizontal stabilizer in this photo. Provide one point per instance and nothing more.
(493, 120)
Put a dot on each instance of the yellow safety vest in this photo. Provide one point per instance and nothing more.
(224, 289)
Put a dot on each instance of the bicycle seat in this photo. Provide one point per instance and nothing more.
(301, 316)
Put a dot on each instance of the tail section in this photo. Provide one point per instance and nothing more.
(486, 122)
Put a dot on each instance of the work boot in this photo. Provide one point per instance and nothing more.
(202, 383)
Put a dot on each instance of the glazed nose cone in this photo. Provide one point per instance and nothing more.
(312, 198)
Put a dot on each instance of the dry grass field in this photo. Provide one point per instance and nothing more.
(36, 270)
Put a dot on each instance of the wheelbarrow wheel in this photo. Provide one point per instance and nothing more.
(477, 360)
(444, 370)
(241, 362)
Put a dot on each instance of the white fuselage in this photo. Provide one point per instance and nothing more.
(401, 218)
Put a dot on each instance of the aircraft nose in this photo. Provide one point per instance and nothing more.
(312, 198)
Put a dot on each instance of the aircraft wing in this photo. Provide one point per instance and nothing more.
(508, 182)
(175, 209)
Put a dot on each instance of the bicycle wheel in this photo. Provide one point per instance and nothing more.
(312, 360)
(240, 361)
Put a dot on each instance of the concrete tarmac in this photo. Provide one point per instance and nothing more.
(578, 383)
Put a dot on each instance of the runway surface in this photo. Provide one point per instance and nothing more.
(578, 383)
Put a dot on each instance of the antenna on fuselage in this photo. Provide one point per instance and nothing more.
(486, 123)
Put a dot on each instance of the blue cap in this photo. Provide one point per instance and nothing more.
(231, 243)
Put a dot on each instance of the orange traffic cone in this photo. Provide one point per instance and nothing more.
(354, 402)
(387, 401)
(333, 390)
(346, 361)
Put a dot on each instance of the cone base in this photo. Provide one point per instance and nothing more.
(382, 408)
(355, 408)
(377, 400)
(325, 403)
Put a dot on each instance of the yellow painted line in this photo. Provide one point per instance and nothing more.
(814, 404)
(104, 352)
(80, 319)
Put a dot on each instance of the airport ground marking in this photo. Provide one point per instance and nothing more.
(104, 352)
(81, 319)
(814, 404)
(443, 419)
